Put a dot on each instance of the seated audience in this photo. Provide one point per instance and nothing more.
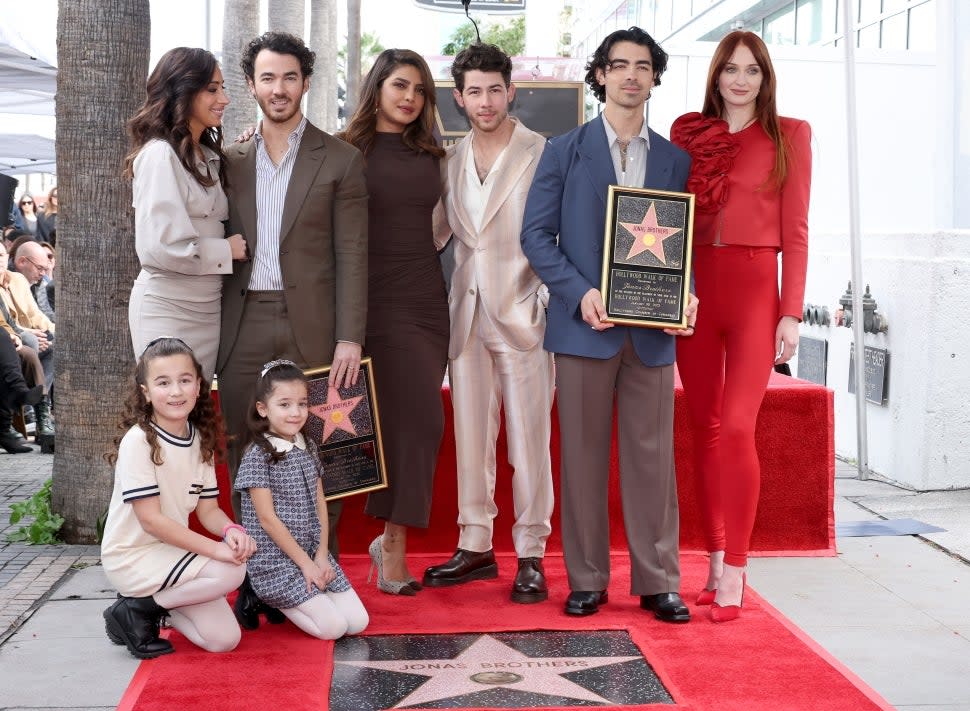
(20, 316)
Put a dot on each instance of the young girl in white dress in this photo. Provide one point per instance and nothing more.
(164, 471)
(283, 505)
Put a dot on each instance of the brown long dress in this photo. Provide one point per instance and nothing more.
(407, 325)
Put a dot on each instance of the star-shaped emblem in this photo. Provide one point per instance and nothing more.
(489, 663)
(648, 236)
(335, 413)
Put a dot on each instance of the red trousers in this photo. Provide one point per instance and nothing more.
(725, 368)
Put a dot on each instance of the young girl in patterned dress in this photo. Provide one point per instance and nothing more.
(283, 505)
(163, 471)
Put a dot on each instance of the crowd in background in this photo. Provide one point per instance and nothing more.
(27, 318)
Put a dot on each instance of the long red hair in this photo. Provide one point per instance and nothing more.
(766, 112)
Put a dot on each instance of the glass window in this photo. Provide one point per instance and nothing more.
(894, 32)
(869, 37)
(922, 27)
(780, 26)
(869, 10)
(891, 5)
(814, 20)
(662, 18)
(681, 13)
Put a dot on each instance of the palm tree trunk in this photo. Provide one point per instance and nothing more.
(240, 24)
(102, 63)
(353, 57)
(287, 16)
(322, 97)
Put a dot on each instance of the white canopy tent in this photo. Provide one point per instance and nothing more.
(28, 82)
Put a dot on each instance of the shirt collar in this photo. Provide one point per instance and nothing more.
(284, 445)
(296, 135)
(611, 134)
(209, 156)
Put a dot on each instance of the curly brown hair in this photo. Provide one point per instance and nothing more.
(419, 134)
(178, 77)
(138, 410)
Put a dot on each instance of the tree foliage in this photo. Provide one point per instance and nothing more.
(508, 36)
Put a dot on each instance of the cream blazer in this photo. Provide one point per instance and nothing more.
(489, 263)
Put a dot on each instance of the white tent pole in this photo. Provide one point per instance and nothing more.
(855, 240)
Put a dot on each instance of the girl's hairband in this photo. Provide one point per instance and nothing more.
(164, 338)
(275, 364)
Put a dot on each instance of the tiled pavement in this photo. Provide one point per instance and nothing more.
(28, 574)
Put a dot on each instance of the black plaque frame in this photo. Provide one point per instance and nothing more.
(352, 464)
(547, 107)
(640, 289)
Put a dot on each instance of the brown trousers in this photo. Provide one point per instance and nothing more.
(264, 335)
(585, 389)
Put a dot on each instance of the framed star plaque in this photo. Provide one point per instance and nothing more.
(646, 257)
(346, 427)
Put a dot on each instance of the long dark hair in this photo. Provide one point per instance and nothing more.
(138, 410)
(179, 76)
(257, 425)
(765, 111)
(419, 134)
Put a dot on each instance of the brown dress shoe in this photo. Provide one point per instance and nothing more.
(530, 582)
(464, 566)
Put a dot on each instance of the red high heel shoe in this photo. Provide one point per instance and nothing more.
(706, 597)
(726, 613)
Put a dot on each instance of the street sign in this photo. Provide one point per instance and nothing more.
(488, 7)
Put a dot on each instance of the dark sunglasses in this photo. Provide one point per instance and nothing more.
(26, 202)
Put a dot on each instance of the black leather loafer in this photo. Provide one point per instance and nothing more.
(582, 602)
(530, 582)
(463, 567)
(666, 607)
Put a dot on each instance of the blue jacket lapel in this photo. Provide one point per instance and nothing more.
(660, 161)
(594, 152)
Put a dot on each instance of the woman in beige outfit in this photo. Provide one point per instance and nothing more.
(176, 164)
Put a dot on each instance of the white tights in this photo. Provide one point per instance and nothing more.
(330, 616)
(198, 608)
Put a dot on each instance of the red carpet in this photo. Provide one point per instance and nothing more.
(759, 663)
(796, 444)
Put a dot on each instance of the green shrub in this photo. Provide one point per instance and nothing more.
(43, 530)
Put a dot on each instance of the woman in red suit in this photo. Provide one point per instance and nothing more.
(751, 174)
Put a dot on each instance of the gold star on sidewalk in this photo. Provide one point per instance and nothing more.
(488, 663)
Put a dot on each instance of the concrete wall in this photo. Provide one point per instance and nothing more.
(921, 282)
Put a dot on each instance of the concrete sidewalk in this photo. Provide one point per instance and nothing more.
(893, 609)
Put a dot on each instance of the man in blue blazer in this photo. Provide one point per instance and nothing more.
(562, 236)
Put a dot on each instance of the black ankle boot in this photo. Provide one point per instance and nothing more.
(273, 615)
(247, 606)
(44, 432)
(14, 442)
(26, 396)
(134, 621)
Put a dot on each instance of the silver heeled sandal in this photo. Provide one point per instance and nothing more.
(392, 587)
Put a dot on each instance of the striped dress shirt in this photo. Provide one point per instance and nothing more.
(272, 182)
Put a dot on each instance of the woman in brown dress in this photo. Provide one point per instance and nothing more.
(407, 316)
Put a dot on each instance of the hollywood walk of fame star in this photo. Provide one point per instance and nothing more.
(489, 663)
(648, 236)
(335, 413)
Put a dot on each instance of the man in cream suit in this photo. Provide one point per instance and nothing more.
(299, 197)
(497, 307)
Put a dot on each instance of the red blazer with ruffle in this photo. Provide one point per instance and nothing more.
(734, 205)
